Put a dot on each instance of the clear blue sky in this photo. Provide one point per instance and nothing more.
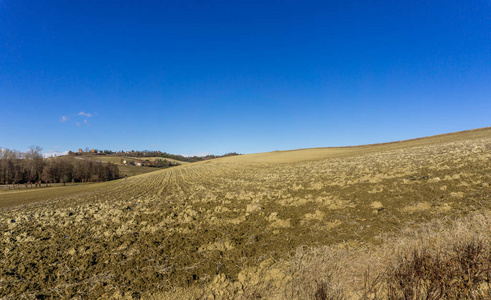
(190, 77)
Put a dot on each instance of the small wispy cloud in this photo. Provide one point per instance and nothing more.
(197, 154)
(53, 153)
(88, 115)
(79, 119)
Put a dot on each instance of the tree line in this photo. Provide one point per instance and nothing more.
(30, 168)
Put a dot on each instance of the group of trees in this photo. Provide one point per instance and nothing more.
(30, 168)
(163, 163)
(87, 151)
(19, 167)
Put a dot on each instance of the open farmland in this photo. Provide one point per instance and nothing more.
(241, 226)
(25, 196)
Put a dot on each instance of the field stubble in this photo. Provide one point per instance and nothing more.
(245, 226)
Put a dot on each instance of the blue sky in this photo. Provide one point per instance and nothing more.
(190, 77)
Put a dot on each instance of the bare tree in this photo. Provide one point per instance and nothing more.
(47, 175)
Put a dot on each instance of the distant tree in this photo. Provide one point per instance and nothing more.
(34, 163)
(7, 160)
(47, 175)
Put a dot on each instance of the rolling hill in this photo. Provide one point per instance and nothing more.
(286, 224)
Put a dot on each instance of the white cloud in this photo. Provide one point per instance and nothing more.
(53, 153)
(88, 115)
(79, 119)
(197, 154)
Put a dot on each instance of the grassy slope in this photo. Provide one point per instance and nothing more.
(24, 196)
(313, 154)
(135, 170)
(229, 226)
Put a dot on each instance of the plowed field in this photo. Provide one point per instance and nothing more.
(224, 227)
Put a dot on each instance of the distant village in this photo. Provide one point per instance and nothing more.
(142, 163)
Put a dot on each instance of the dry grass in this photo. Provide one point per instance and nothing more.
(315, 154)
(436, 260)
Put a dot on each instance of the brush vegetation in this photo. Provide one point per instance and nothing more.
(404, 220)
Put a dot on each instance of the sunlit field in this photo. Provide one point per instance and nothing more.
(326, 223)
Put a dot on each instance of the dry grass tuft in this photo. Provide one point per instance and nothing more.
(437, 260)
(461, 274)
